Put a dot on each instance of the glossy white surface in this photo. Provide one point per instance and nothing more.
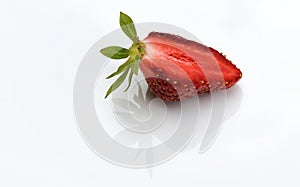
(43, 42)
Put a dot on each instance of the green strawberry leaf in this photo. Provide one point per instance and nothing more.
(129, 80)
(121, 68)
(127, 26)
(134, 70)
(135, 66)
(115, 52)
(117, 83)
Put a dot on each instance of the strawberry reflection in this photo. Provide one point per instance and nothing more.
(148, 121)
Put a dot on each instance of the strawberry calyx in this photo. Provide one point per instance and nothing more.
(134, 55)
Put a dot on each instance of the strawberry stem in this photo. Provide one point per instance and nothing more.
(137, 48)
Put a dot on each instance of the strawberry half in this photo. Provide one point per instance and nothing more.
(175, 68)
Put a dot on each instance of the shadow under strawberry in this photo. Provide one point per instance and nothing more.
(206, 131)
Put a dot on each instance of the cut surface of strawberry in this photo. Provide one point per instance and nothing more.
(176, 68)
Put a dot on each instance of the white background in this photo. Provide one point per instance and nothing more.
(42, 43)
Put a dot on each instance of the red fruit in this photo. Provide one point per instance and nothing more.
(176, 68)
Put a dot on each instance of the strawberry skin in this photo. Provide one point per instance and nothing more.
(176, 68)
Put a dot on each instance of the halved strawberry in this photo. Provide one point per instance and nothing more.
(174, 67)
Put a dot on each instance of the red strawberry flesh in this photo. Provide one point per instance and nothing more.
(176, 68)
